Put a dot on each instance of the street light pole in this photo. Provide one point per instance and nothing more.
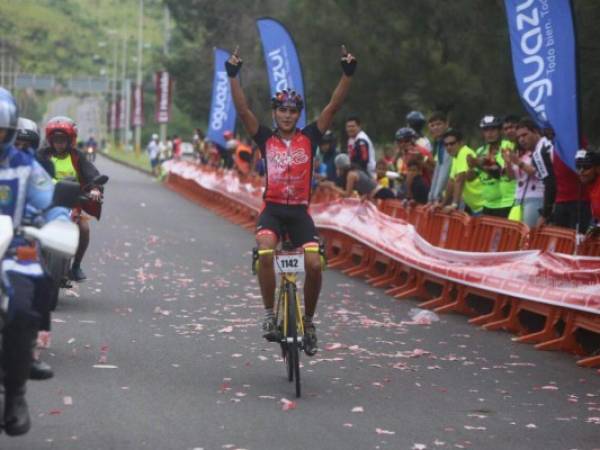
(138, 127)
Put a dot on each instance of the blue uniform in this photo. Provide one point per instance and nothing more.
(24, 186)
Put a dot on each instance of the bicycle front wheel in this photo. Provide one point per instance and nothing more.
(292, 338)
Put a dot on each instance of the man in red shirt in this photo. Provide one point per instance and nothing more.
(588, 168)
(288, 153)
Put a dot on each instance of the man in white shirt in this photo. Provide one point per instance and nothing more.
(360, 147)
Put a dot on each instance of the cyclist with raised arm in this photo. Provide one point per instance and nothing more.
(288, 153)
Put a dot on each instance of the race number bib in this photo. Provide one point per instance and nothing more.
(289, 263)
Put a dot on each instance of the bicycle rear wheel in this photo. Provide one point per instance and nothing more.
(292, 339)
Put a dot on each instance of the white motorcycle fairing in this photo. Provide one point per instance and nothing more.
(6, 233)
(59, 236)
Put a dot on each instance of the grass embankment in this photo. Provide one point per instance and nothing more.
(141, 161)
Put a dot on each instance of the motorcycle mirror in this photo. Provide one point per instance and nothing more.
(66, 194)
(100, 180)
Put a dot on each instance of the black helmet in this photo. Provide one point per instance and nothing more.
(405, 133)
(586, 158)
(328, 137)
(287, 97)
(490, 121)
(415, 120)
(28, 131)
(9, 115)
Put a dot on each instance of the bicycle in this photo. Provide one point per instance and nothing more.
(289, 262)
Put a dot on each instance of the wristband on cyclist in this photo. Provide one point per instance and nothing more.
(233, 69)
(348, 66)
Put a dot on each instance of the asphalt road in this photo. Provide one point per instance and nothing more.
(161, 349)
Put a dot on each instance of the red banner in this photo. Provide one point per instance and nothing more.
(137, 106)
(552, 278)
(164, 87)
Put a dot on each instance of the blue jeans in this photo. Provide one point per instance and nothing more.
(531, 207)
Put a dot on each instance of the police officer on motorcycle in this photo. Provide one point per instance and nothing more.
(28, 140)
(23, 183)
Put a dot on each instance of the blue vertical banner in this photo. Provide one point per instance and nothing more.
(222, 109)
(543, 43)
(282, 60)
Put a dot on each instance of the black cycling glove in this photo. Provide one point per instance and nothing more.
(348, 67)
(232, 69)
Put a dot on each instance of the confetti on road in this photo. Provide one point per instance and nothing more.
(382, 431)
(287, 405)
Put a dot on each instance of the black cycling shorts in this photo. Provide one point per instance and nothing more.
(293, 220)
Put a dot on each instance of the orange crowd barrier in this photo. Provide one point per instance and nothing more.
(366, 256)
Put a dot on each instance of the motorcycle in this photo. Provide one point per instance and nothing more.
(59, 237)
(57, 265)
(90, 153)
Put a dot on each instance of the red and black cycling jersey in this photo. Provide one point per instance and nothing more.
(289, 164)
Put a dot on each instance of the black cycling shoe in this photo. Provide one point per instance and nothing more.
(76, 274)
(40, 370)
(310, 339)
(269, 327)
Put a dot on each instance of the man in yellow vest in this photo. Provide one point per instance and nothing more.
(68, 162)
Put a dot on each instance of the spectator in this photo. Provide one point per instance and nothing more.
(227, 153)
(176, 147)
(588, 167)
(498, 190)
(418, 189)
(408, 149)
(382, 170)
(566, 204)
(416, 121)
(319, 171)
(198, 144)
(464, 185)
(529, 195)
(353, 178)
(163, 151)
(153, 154)
(243, 158)
(360, 147)
(438, 125)
(328, 152)
(509, 130)
(213, 154)
(170, 153)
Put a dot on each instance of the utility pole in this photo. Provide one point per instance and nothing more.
(138, 80)
(114, 93)
(123, 139)
(127, 112)
(167, 38)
